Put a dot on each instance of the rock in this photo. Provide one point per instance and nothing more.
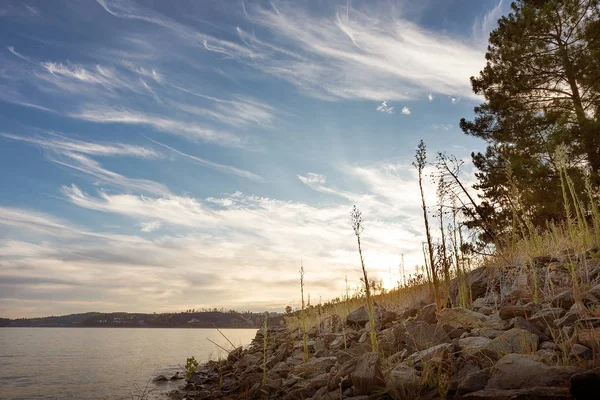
(589, 338)
(537, 393)
(487, 332)
(515, 340)
(569, 319)
(564, 300)
(427, 314)
(177, 376)
(419, 334)
(508, 312)
(470, 346)
(460, 376)
(319, 381)
(403, 379)
(516, 371)
(585, 385)
(548, 346)
(520, 322)
(580, 352)
(235, 354)
(428, 354)
(409, 313)
(367, 376)
(544, 319)
(358, 317)
(160, 378)
(592, 296)
(474, 382)
(549, 357)
(337, 343)
(313, 367)
(459, 317)
(477, 280)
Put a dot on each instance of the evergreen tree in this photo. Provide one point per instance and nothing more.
(541, 84)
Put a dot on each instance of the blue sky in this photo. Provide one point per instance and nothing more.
(159, 156)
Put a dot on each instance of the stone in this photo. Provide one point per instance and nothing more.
(367, 376)
(516, 371)
(313, 367)
(160, 378)
(474, 382)
(358, 317)
(428, 354)
(177, 376)
(580, 352)
(548, 346)
(459, 317)
(589, 338)
(427, 314)
(515, 340)
(487, 332)
(461, 375)
(569, 319)
(549, 357)
(420, 335)
(319, 381)
(403, 378)
(477, 281)
(337, 343)
(410, 313)
(470, 346)
(509, 311)
(544, 319)
(520, 322)
(563, 300)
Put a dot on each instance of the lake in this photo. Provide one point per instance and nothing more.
(102, 363)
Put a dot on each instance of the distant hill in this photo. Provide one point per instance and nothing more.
(206, 319)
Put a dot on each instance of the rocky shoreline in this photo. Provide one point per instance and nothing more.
(505, 346)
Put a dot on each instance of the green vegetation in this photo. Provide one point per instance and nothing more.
(190, 366)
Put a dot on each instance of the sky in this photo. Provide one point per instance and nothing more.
(160, 156)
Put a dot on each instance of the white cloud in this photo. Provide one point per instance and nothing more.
(150, 226)
(442, 127)
(430, 97)
(221, 167)
(483, 27)
(406, 111)
(347, 55)
(60, 143)
(384, 108)
(189, 130)
(454, 100)
(313, 179)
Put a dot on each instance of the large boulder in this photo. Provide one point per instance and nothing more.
(459, 317)
(367, 376)
(403, 379)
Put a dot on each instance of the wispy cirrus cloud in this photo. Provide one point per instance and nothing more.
(348, 54)
(61, 143)
(160, 123)
(206, 163)
(150, 226)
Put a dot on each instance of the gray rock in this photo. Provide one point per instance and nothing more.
(459, 317)
(403, 379)
(427, 314)
(564, 300)
(514, 341)
(537, 393)
(516, 371)
(358, 317)
(367, 376)
(474, 382)
(580, 352)
(420, 335)
(428, 354)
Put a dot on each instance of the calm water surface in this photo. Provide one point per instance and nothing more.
(101, 363)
